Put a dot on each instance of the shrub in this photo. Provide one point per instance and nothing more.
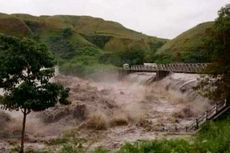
(100, 150)
(97, 121)
(69, 148)
(119, 120)
(157, 146)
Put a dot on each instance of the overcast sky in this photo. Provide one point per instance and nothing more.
(162, 18)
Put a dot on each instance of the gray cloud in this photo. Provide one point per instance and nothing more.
(162, 18)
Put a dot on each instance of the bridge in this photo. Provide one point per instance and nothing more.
(163, 70)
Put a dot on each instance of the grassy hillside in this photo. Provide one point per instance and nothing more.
(188, 46)
(13, 26)
(81, 42)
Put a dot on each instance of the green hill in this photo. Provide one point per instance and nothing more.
(78, 41)
(13, 26)
(188, 46)
(83, 44)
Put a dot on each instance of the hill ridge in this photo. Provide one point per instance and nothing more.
(81, 40)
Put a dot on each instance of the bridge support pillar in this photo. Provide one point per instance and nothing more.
(122, 73)
(161, 74)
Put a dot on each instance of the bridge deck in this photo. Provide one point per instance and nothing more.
(176, 68)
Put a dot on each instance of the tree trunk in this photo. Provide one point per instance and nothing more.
(228, 100)
(23, 130)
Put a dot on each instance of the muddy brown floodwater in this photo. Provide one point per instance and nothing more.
(110, 112)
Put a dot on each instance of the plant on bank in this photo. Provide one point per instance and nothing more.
(217, 85)
(26, 68)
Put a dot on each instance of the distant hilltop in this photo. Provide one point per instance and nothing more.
(79, 41)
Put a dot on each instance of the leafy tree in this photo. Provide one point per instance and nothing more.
(132, 57)
(98, 40)
(217, 85)
(67, 32)
(25, 70)
(61, 45)
(196, 56)
(163, 58)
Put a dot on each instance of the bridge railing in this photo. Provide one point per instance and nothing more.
(177, 68)
(206, 116)
(142, 68)
(196, 124)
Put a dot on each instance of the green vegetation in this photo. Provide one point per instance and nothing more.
(13, 26)
(189, 47)
(85, 43)
(25, 71)
(76, 40)
(131, 57)
(217, 85)
(81, 43)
